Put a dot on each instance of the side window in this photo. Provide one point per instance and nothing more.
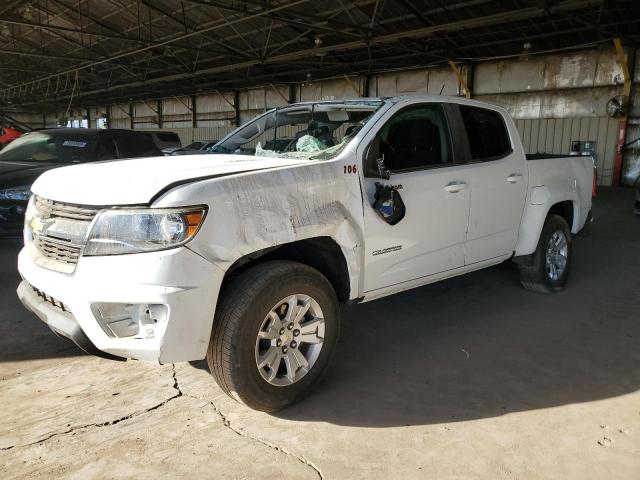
(106, 149)
(487, 133)
(134, 146)
(414, 138)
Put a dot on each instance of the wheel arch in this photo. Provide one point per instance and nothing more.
(322, 253)
(565, 209)
(534, 217)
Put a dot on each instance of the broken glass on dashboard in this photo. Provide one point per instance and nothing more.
(307, 131)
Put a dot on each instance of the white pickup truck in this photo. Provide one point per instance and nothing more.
(245, 257)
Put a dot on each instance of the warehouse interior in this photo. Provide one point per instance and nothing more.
(469, 377)
(201, 68)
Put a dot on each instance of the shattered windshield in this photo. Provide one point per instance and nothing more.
(310, 131)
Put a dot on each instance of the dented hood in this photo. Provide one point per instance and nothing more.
(137, 181)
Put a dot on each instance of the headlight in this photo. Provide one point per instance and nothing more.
(16, 193)
(116, 232)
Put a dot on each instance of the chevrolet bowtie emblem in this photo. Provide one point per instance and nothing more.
(36, 225)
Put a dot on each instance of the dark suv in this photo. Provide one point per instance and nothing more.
(24, 159)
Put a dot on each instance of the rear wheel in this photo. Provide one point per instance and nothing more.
(274, 334)
(551, 262)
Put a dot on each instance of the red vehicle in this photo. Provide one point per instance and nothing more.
(7, 135)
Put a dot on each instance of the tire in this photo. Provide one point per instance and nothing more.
(247, 305)
(538, 276)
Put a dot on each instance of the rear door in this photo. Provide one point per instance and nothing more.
(499, 183)
(416, 144)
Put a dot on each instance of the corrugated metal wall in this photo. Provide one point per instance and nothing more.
(433, 81)
(176, 112)
(550, 135)
(188, 135)
(145, 114)
(255, 101)
(215, 110)
(120, 116)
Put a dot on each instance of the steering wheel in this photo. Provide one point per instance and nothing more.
(291, 146)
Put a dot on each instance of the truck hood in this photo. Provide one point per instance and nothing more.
(137, 181)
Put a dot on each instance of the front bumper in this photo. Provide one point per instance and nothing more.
(61, 322)
(179, 278)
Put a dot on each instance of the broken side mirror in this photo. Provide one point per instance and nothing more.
(375, 162)
(377, 169)
(388, 203)
(382, 169)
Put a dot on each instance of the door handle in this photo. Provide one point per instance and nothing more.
(455, 187)
(514, 177)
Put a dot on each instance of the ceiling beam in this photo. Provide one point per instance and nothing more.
(318, 23)
(217, 41)
(184, 36)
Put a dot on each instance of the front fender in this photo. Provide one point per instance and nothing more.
(257, 211)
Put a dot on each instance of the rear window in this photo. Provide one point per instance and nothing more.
(134, 146)
(487, 133)
(66, 147)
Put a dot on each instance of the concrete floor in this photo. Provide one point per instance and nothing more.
(468, 378)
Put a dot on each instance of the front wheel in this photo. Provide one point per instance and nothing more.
(274, 334)
(551, 262)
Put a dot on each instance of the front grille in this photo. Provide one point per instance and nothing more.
(58, 232)
(49, 299)
(59, 251)
(49, 208)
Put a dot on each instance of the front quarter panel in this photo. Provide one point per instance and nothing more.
(257, 210)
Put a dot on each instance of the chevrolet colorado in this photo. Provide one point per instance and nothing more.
(245, 257)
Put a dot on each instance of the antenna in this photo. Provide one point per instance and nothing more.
(441, 89)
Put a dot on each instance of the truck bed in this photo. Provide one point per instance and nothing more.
(565, 174)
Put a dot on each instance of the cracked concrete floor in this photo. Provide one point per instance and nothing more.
(469, 378)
